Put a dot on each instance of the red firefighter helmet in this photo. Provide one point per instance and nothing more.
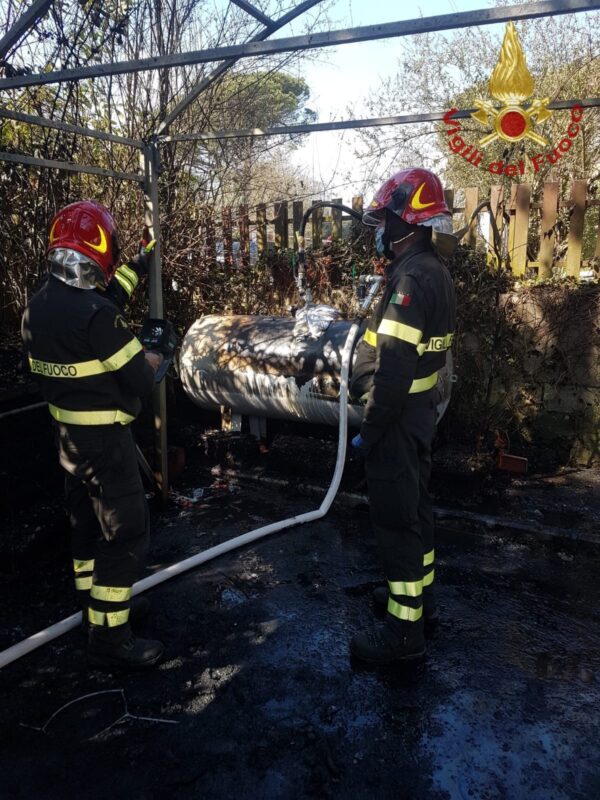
(88, 228)
(414, 194)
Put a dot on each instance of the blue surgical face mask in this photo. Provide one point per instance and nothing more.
(379, 245)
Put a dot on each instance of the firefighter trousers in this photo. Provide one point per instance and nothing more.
(398, 468)
(108, 514)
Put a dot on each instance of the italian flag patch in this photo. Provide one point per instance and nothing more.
(400, 299)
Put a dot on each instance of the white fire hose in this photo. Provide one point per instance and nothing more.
(54, 631)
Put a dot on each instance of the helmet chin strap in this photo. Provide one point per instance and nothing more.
(408, 235)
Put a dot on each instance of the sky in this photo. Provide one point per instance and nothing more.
(346, 75)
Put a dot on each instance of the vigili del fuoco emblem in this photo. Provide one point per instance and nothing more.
(511, 84)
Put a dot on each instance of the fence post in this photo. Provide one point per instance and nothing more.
(244, 227)
(297, 214)
(519, 226)
(449, 198)
(496, 195)
(317, 227)
(210, 240)
(261, 227)
(336, 221)
(575, 241)
(227, 237)
(549, 213)
(471, 200)
(356, 229)
(281, 226)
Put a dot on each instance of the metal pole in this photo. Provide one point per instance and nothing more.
(17, 158)
(23, 24)
(372, 122)
(273, 26)
(254, 12)
(45, 122)
(387, 30)
(151, 172)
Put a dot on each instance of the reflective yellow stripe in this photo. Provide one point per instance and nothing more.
(371, 338)
(111, 618)
(408, 588)
(428, 558)
(400, 331)
(89, 417)
(114, 618)
(96, 617)
(83, 566)
(129, 274)
(438, 343)
(428, 578)
(122, 356)
(125, 284)
(423, 384)
(85, 369)
(406, 613)
(112, 594)
(81, 370)
(83, 583)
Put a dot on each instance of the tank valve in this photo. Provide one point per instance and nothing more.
(363, 282)
(366, 289)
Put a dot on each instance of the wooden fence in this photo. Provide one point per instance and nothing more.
(538, 238)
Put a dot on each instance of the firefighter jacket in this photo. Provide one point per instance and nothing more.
(90, 367)
(406, 339)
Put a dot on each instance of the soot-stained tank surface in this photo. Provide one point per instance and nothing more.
(272, 367)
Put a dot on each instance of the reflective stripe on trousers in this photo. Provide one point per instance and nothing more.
(398, 468)
(89, 417)
(83, 570)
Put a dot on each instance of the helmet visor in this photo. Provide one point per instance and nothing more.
(75, 269)
(374, 217)
(442, 223)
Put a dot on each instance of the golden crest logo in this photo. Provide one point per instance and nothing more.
(511, 84)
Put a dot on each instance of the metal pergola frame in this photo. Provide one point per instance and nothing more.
(370, 122)
(228, 56)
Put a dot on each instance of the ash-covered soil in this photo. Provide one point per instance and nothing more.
(257, 696)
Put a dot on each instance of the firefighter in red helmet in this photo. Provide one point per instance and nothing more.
(395, 371)
(93, 371)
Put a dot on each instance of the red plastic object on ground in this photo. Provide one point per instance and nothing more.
(510, 463)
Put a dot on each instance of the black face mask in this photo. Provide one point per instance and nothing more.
(395, 229)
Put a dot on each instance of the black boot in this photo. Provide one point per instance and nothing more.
(380, 597)
(383, 645)
(139, 610)
(120, 649)
(430, 610)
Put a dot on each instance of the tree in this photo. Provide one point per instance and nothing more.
(196, 176)
(440, 71)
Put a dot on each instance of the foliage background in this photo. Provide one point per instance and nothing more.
(497, 341)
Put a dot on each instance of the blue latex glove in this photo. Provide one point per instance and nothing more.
(357, 442)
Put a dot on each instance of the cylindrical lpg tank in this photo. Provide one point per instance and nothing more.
(263, 366)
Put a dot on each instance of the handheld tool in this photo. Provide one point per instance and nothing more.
(159, 336)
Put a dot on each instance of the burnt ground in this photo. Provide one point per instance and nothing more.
(257, 696)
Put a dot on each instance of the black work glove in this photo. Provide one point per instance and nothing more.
(140, 263)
